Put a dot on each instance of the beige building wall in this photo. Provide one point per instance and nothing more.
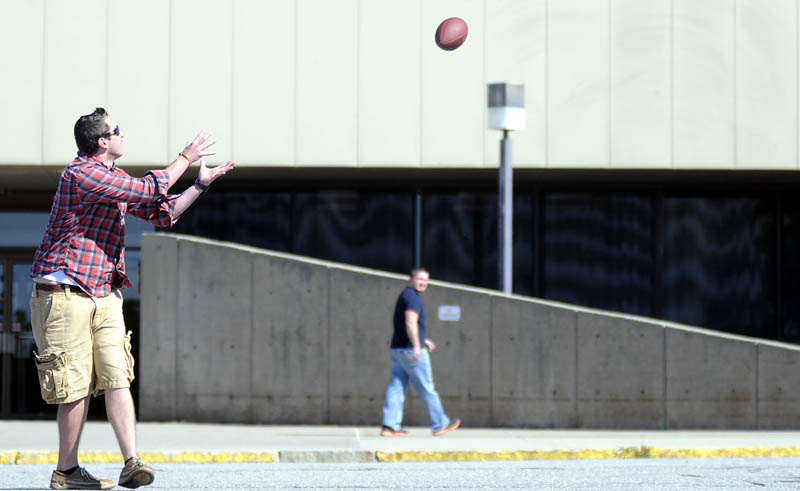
(644, 84)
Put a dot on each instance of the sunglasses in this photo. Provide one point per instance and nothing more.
(115, 131)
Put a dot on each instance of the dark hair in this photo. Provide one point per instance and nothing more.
(418, 269)
(89, 129)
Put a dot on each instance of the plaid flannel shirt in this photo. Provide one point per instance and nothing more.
(85, 235)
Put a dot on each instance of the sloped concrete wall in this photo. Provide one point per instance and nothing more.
(236, 334)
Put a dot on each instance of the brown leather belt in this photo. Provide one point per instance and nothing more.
(46, 287)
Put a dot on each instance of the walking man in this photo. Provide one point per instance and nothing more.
(410, 362)
(78, 271)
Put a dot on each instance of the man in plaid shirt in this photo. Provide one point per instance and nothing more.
(82, 345)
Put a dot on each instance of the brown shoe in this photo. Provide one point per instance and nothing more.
(136, 473)
(386, 431)
(79, 479)
(452, 426)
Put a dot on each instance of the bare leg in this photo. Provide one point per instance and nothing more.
(71, 417)
(121, 413)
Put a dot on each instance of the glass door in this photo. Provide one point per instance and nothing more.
(5, 360)
(19, 385)
(26, 399)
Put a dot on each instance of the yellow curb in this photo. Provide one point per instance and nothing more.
(211, 458)
(14, 457)
(619, 453)
(35, 458)
(8, 457)
(11, 457)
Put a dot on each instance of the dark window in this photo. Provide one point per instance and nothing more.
(598, 251)
(790, 270)
(459, 237)
(258, 219)
(525, 244)
(719, 269)
(373, 230)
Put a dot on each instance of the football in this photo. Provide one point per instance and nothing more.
(451, 33)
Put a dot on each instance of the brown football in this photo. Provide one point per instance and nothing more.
(451, 33)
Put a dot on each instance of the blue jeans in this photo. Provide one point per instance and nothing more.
(419, 372)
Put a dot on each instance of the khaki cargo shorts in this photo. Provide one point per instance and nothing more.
(82, 345)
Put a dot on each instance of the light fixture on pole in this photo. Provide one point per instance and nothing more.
(506, 112)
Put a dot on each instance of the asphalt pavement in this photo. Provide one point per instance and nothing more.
(36, 442)
(608, 475)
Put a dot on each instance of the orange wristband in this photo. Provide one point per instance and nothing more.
(183, 154)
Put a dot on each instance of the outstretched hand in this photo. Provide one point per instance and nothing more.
(198, 147)
(207, 175)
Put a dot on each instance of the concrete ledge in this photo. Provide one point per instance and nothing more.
(316, 456)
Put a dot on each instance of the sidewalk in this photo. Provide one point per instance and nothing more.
(24, 442)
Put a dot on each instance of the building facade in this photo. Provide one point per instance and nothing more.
(657, 173)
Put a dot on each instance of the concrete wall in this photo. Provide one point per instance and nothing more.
(237, 334)
(608, 83)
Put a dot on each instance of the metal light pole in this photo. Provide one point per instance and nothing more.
(506, 113)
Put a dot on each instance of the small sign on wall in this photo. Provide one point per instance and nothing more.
(449, 313)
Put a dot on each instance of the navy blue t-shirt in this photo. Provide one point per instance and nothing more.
(408, 300)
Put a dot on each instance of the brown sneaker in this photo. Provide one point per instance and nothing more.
(452, 426)
(136, 473)
(79, 479)
(386, 431)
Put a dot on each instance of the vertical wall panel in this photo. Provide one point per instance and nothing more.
(21, 37)
(516, 52)
(200, 75)
(389, 82)
(138, 78)
(214, 347)
(766, 83)
(357, 344)
(778, 391)
(75, 72)
(327, 47)
(263, 82)
(158, 329)
(453, 90)
(533, 364)
(641, 72)
(620, 373)
(704, 83)
(578, 83)
(711, 381)
(290, 350)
